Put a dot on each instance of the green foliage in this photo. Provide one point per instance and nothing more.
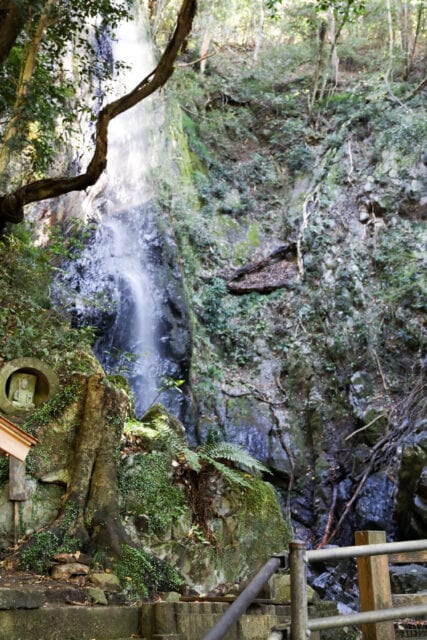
(142, 574)
(405, 132)
(28, 324)
(53, 409)
(289, 139)
(168, 383)
(234, 320)
(64, 244)
(147, 488)
(39, 553)
(52, 90)
(213, 453)
(347, 9)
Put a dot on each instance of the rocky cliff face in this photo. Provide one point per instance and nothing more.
(302, 248)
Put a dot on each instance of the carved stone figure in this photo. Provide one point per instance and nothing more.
(22, 388)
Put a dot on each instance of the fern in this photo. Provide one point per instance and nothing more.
(231, 475)
(195, 466)
(210, 453)
(233, 453)
(193, 459)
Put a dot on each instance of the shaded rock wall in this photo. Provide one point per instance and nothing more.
(317, 378)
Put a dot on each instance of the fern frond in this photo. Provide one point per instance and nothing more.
(231, 475)
(193, 459)
(232, 452)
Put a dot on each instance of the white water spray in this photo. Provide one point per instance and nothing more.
(116, 265)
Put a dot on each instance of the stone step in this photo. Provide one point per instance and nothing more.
(70, 623)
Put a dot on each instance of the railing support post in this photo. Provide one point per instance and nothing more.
(374, 586)
(298, 569)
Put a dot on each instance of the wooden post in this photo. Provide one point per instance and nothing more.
(374, 586)
(17, 491)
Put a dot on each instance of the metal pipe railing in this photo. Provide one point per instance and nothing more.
(365, 617)
(243, 601)
(299, 556)
(298, 559)
(297, 566)
(358, 551)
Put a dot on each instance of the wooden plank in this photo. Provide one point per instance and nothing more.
(374, 586)
(406, 557)
(408, 599)
(17, 488)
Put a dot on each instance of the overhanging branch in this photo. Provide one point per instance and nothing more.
(11, 205)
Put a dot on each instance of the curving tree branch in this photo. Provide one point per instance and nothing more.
(12, 204)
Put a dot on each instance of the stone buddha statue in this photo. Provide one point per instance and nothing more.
(22, 388)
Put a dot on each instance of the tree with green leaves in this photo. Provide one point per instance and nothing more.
(33, 39)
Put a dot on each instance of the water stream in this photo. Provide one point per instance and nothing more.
(123, 281)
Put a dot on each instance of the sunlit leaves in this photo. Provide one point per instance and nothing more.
(71, 54)
(348, 9)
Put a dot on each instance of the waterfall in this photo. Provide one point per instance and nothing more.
(125, 283)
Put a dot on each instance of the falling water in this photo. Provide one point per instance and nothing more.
(116, 272)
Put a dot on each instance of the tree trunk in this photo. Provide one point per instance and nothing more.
(259, 31)
(390, 35)
(319, 66)
(23, 86)
(418, 25)
(91, 505)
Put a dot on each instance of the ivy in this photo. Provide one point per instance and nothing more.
(53, 409)
(143, 575)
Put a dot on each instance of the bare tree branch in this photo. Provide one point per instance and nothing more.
(11, 205)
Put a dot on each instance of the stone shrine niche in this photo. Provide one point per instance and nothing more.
(25, 384)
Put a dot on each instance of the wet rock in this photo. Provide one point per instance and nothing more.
(375, 504)
(336, 582)
(408, 578)
(251, 424)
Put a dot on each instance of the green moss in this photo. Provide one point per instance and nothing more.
(28, 324)
(147, 487)
(143, 575)
(52, 409)
(262, 528)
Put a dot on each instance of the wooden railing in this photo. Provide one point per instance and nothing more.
(374, 584)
